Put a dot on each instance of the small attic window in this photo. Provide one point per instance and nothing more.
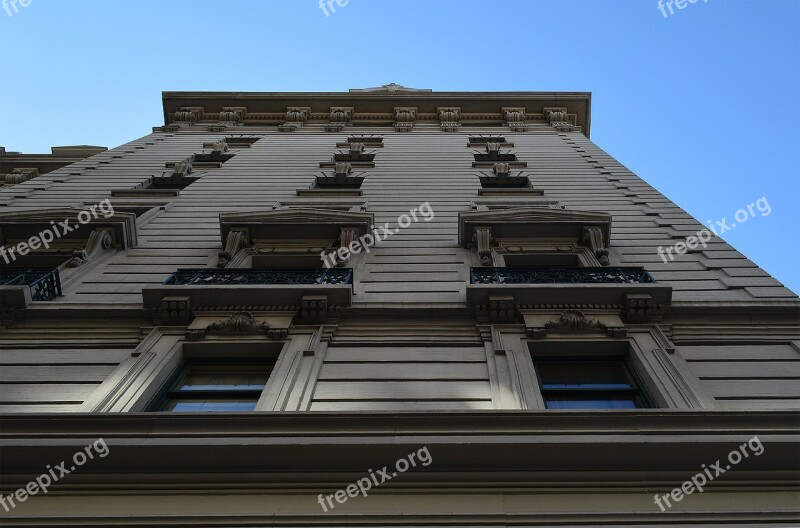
(214, 152)
(355, 153)
(481, 140)
(369, 141)
(502, 177)
(342, 177)
(239, 142)
(179, 178)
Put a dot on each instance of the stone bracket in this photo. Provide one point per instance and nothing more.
(640, 308)
(237, 240)
(313, 310)
(515, 118)
(593, 238)
(99, 241)
(296, 117)
(404, 118)
(450, 117)
(340, 117)
(482, 240)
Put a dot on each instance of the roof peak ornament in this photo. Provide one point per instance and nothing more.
(391, 88)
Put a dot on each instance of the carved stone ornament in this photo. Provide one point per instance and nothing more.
(238, 323)
(450, 118)
(295, 118)
(230, 115)
(559, 119)
(573, 320)
(339, 118)
(99, 240)
(183, 168)
(185, 115)
(18, 176)
(236, 241)
(482, 239)
(296, 115)
(404, 119)
(593, 238)
(515, 119)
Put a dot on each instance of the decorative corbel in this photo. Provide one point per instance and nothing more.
(99, 240)
(515, 118)
(174, 309)
(236, 241)
(502, 309)
(559, 119)
(187, 115)
(340, 117)
(640, 308)
(18, 176)
(313, 309)
(450, 117)
(296, 117)
(183, 168)
(347, 235)
(231, 116)
(593, 238)
(404, 118)
(482, 240)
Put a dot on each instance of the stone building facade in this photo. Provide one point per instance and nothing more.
(275, 295)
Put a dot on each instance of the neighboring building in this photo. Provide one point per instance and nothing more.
(16, 167)
(516, 330)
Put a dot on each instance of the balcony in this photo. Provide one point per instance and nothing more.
(232, 276)
(560, 275)
(565, 285)
(210, 288)
(18, 287)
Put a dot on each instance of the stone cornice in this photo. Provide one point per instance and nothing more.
(629, 448)
(378, 107)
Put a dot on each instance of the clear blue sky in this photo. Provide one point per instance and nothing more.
(702, 104)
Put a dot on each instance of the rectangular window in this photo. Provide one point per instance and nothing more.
(216, 387)
(588, 384)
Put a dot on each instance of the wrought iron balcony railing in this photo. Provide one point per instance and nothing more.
(233, 276)
(45, 284)
(560, 275)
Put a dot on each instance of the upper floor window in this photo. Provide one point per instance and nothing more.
(216, 387)
(582, 383)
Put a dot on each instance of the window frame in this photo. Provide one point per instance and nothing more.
(172, 391)
(634, 391)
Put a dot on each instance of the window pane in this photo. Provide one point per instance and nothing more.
(224, 377)
(210, 405)
(556, 403)
(583, 375)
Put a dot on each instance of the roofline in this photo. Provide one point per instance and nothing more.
(382, 101)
